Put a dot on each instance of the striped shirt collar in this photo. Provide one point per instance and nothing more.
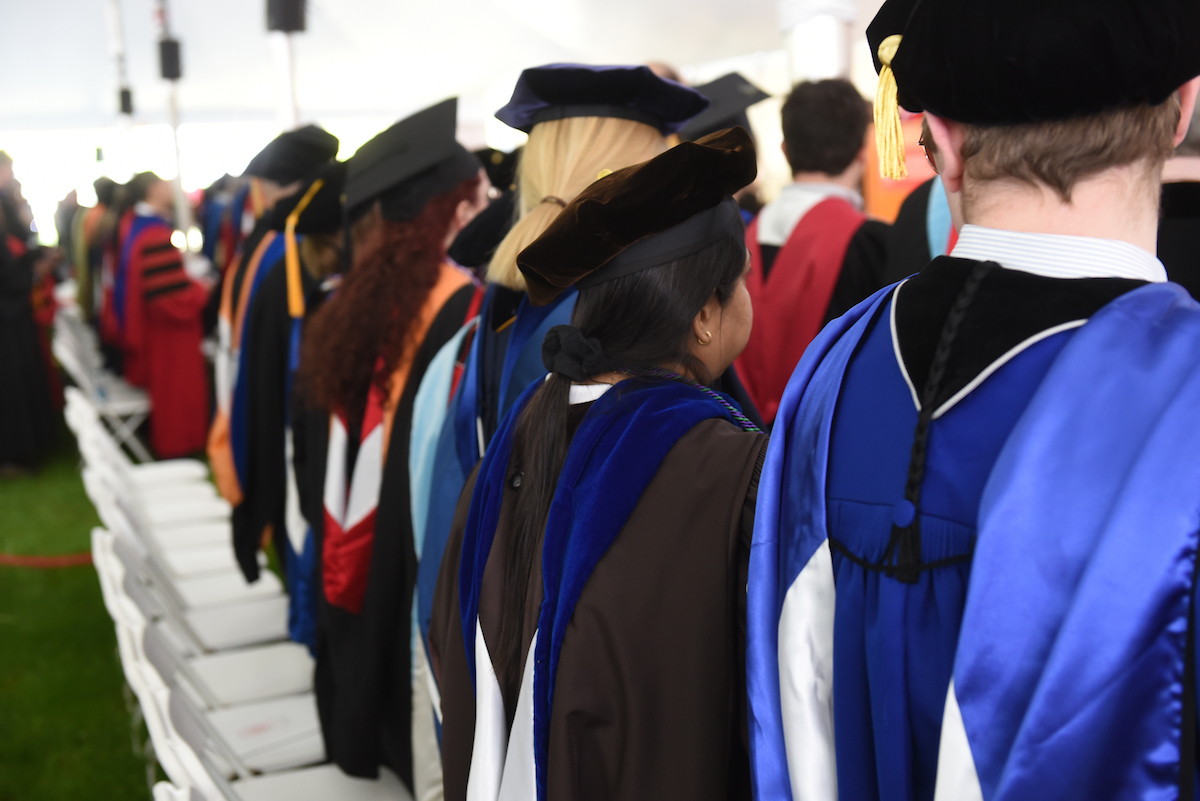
(1058, 255)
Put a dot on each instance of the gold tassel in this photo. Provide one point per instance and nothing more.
(889, 131)
(295, 289)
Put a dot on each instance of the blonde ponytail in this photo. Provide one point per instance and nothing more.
(560, 160)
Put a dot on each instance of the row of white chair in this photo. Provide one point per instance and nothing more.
(124, 407)
(227, 700)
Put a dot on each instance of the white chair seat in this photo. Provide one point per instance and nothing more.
(196, 535)
(220, 628)
(174, 492)
(272, 735)
(322, 783)
(193, 562)
(169, 470)
(192, 511)
(226, 588)
(270, 671)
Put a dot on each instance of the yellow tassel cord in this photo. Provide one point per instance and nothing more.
(889, 132)
(295, 288)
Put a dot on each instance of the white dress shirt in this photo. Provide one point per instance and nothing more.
(1058, 255)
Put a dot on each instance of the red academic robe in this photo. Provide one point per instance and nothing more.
(161, 342)
(790, 305)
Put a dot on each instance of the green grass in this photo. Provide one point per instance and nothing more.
(65, 732)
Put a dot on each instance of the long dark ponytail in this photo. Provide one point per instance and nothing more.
(639, 321)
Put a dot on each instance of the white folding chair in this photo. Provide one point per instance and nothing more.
(219, 628)
(122, 407)
(236, 677)
(263, 737)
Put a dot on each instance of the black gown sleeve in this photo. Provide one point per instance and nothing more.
(863, 269)
(908, 244)
(264, 486)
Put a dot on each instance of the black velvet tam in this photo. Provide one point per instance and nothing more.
(409, 164)
(730, 96)
(988, 62)
(293, 154)
(645, 211)
(561, 91)
(501, 167)
(323, 214)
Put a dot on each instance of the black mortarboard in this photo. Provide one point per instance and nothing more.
(409, 164)
(561, 91)
(322, 207)
(730, 96)
(293, 154)
(644, 216)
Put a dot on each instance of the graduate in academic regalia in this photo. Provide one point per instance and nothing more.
(291, 290)
(1179, 228)
(582, 122)
(158, 307)
(474, 247)
(974, 555)
(364, 354)
(27, 412)
(275, 173)
(815, 254)
(586, 633)
(89, 249)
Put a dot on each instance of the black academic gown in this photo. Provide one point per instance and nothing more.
(1179, 234)
(26, 408)
(908, 250)
(268, 331)
(364, 661)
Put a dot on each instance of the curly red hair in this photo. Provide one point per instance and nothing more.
(370, 318)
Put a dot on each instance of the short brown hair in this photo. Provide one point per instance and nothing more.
(824, 125)
(1061, 153)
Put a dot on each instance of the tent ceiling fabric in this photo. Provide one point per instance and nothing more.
(357, 58)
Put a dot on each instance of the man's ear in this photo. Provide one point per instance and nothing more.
(1187, 105)
(948, 136)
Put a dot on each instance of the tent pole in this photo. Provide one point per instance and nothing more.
(285, 68)
(116, 49)
(183, 210)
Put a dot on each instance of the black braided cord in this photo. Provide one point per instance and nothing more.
(903, 555)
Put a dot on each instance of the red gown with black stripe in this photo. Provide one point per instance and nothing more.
(161, 342)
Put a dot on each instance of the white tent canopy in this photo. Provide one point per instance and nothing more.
(357, 58)
(360, 65)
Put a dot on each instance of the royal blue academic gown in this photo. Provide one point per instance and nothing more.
(501, 364)
(980, 676)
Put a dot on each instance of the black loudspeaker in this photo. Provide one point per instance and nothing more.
(286, 15)
(168, 59)
(126, 101)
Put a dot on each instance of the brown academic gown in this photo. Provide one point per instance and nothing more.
(650, 692)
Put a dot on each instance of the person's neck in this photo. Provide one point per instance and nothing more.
(849, 179)
(1119, 204)
(1180, 169)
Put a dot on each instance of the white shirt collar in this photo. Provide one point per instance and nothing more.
(1058, 255)
(780, 217)
(587, 393)
(144, 209)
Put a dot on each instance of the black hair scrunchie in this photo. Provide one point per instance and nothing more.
(568, 352)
